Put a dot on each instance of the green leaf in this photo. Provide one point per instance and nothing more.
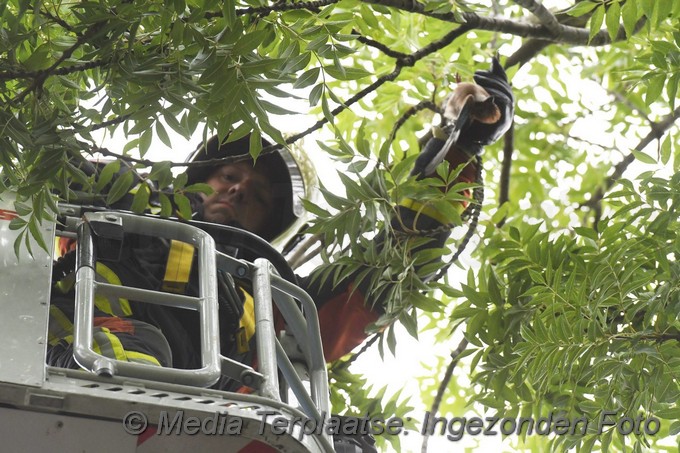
(612, 19)
(229, 12)
(180, 181)
(141, 200)
(120, 187)
(672, 89)
(410, 322)
(162, 173)
(596, 22)
(666, 149)
(315, 209)
(36, 233)
(671, 413)
(425, 303)
(391, 340)
(199, 187)
(260, 66)
(166, 205)
(17, 223)
(307, 78)
(163, 134)
(630, 15)
(661, 11)
(39, 59)
(654, 87)
(106, 175)
(674, 429)
(249, 42)
(183, 206)
(145, 142)
(644, 158)
(315, 94)
(255, 146)
(581, 8)
(347, 73)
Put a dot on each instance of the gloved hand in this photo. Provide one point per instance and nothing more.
(465, 133)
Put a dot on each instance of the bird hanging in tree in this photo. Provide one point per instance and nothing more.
(483, 110)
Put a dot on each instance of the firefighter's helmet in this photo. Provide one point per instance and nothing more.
(292, 177)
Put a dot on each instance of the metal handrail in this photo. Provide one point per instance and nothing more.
(303, 324)
(206, 304)
(269, 288)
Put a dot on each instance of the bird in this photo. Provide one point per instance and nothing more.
(481, 105)
(467, 104)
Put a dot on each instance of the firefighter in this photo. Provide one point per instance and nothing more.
(262, 197)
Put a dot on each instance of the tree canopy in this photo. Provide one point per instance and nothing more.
(569, 300)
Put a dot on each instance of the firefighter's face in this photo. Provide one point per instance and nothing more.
(242, 194)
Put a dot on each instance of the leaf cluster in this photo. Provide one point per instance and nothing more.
(582, 322)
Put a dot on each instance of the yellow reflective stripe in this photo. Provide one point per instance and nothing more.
(109, 345)
(178, 267)
(66, 284)
(429, 210)
(247, 323)
(60, 327)
(116, 307)
(139, 357)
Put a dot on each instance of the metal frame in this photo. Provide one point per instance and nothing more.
(110, 388)
(304, 325)
(206, 304)
(268, 287)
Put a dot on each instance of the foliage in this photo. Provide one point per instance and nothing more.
(577, 259)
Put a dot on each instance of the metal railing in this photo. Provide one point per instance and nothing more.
(206, 303)
(294, 304)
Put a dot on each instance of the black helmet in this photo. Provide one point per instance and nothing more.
(288, 182)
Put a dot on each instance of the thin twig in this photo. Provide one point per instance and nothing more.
(19, 74)
(628, 103)
(43, 75)
(380, 46)
(455, 358)
(409, 60)
(422, 105)
(658, 130)
(264, 10)
(346, 363)
(504, 183)
(566, 34)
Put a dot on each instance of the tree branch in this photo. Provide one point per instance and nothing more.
(455, 358)
(526, 52)
(264, 10)
(422, 105)
(658, 130)
(547, 18)
(41, 76)
(201, 163)
(565, 34)
(408, 60)
(58, 20)
(19, 74)
(380, 46)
